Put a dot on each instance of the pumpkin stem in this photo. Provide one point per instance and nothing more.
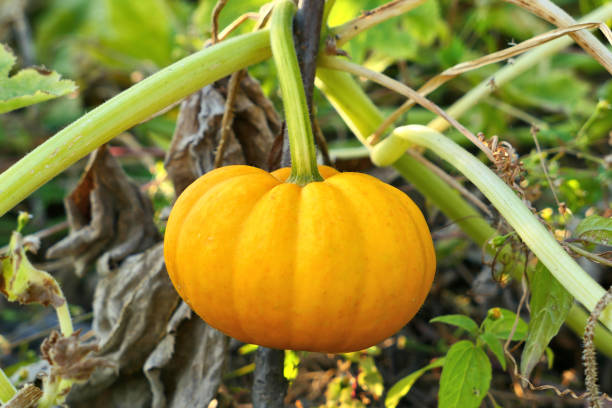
(301, 141)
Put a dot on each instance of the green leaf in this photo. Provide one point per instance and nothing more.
(458, 320)
(28, 86)
(499, 322)
(466, 376)
(404, 37)
(550, 303)
(495, 346)
(369, 377)
(548, 89)
(132, 34)
(403, 386)
(595, 228)
(550, 357)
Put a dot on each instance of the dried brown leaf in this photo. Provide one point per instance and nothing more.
(108, 215)
(197, 134)
(70, 358)
(186, 367)
(132, 307)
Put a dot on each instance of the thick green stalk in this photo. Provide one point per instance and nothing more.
(127, 109)
(575, 280)
(301, 141)
(65, 322)
(7, 390)
(363, 118)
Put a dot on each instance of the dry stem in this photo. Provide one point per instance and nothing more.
(235, 24)
(355, 69)
(588, 352)
(552, 13)
(321, 142)
(228, 115)
(450, 73)
(350, 29)
(215, 19)
(534, 134)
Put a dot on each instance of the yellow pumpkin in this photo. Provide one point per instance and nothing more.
(334, 266)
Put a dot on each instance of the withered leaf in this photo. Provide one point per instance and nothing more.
(185, 369)
(197, 134)
(21, 282)
(108, 215)
(132, 307)
(70, 358)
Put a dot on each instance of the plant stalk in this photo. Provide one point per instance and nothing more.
(127, 109)
(554, 14)
(363, 118)
(577, 282)
(65, 321)
(301, 141)
(371, 18)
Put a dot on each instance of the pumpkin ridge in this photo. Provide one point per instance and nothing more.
(359, 192)
(183, 199)
(349, 205)
(196, 206)
(296, 244)
(370, 194)
(409, 208)
(236, 246)
(424, 232)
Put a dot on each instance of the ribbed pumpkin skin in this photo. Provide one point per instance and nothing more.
(333, 266)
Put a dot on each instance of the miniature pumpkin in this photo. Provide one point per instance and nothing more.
(334, 266)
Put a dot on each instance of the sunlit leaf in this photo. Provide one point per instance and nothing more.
(595, 228)
(458, 320)
(548, 89)
(495, 346)
(28, 86)
(466, 376)
(403, 386)
(398, 39)
(135, 34)
(499, 322)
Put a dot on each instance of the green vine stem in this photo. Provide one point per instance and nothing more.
(65, 322)
(7, 390)
(301, 141)
(577, 282)
(363, 118)
(509, 72)
(127, 109)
